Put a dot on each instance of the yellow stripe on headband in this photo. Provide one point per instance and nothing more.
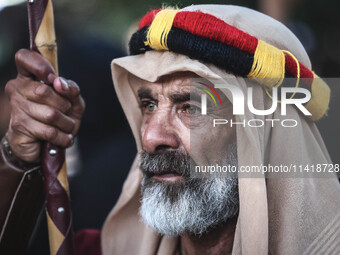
(268, 65)
(297, 78)
(321, 93)
(159, 30)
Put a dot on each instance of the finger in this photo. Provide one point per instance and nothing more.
(40, 131)
(32, 64)
(67, 88)
(49, 116)
(43, 94)
(71, 91)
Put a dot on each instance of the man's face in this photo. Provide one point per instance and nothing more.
(173, 203)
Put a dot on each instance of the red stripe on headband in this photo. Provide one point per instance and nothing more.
(291, 68)
(148, 18)
(208, 26)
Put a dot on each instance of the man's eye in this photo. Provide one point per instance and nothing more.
(149, 106)
(192, 109)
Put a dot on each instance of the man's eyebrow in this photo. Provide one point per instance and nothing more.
(175, 98)
(183, 97)
(180, 97)
(144, 93)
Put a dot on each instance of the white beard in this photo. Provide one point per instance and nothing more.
(193, 207)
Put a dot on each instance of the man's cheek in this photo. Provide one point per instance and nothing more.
(183, 132)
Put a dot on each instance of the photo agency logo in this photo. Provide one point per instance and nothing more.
(204, 97)
(282, 96)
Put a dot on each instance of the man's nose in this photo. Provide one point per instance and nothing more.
(159, 134)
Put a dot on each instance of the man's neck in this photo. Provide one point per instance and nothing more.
(217, 241)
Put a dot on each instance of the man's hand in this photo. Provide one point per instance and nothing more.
(40, 112)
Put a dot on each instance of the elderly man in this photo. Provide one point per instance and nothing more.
(177, 59)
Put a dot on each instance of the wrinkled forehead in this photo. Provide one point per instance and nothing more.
(178, 82)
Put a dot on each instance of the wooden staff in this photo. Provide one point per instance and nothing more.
(56, 189)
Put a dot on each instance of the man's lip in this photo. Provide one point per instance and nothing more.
(170, 177)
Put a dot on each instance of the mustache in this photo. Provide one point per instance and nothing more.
(166, 162)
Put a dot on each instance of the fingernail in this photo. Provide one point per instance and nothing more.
(71, 138)
(64, 84)
(51, 77)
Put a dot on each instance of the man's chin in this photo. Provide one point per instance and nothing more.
(174, 206)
